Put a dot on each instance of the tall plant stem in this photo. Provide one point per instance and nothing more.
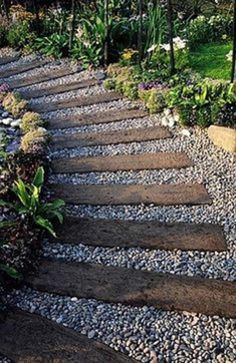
(233, 76)
(72, 30)
(106, 42)
(36, 11)
(140, 32)
(171, 33)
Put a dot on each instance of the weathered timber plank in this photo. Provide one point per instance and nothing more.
(29, 338)
(145, 161)
(76, 102)
(110, 137)
(21, 68)
(147, 234)
(165, 291)
(6, 60)
(65, 87)
(41, 77)
(67, 121)
(166, 194)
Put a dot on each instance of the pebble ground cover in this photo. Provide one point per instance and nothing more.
(150, 335)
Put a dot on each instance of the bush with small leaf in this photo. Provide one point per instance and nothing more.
(14, 104)
(31, 121)
(35, 141)
(20, 34)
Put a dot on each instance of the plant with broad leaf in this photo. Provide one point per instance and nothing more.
(30, 204)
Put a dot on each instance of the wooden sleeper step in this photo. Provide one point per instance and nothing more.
(68, 121)
(41, 77)
(110, 137)
(145, 161)
(21, 68)
(29, 338)
(76, 102)
(147, 234)
(6, 60)
(64, 87)
(136, 287)
(118, 194)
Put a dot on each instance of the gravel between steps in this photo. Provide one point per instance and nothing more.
(215, 168)
(147, 334)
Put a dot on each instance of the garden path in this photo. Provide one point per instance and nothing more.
(104, 281)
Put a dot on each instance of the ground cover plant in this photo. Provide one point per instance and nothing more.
(24, 212)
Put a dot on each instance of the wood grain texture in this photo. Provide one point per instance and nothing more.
(67, 121)
(147, 234)
(64, 87)
(29, 338)
(6, 60)
(42, 77)
(165, 194)
(21, 68)
(164, 291)
(76, 102)
(110, 137)
(146, 161)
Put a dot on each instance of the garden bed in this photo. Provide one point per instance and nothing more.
(23, 162)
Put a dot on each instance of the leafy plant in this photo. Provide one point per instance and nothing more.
(55, 45)
(20, 34)
(31, 121)
(29, 203)
(14, 104)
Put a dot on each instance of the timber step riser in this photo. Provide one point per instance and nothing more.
(166, 194)
(77, 102)
(22, 68)
(133, 234)
(41, 77)
(7, 60)
(112, 137)
(65, 122)
(29, 338)
(146, 161)
(74, 86)
(164, 291)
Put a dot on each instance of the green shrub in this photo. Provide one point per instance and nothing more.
(201, 103)
(210, 29)
(54, 45)
(154, 99)
(20, 34)
(109, 84)
(130, 90)
(35, 141)
(14, 104)
(31, 121)
(159, 58)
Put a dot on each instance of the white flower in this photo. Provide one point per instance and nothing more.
(152, 48)
(229, 56)
(166, 47)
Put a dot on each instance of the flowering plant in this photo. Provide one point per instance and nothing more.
(209, 29)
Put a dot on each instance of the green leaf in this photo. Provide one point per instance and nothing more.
(21, 192)
(11, 271)
(46, 224)
(39, 177)
(6, 224)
